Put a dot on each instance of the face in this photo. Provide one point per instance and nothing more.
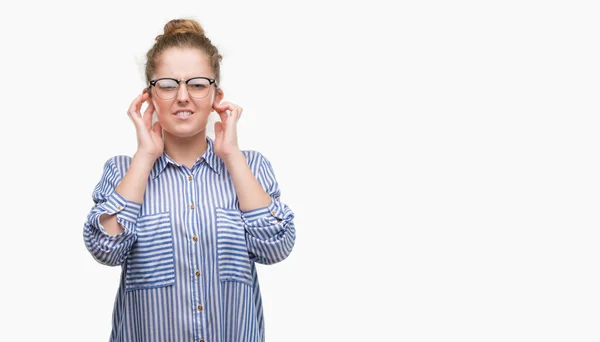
(184, 116)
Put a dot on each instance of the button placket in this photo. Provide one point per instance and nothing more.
(193, 215)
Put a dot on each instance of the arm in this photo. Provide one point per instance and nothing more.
(269, 225)
(110, 229)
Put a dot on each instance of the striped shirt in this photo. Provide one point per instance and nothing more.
(187, 253)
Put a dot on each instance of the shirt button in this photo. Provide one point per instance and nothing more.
(195, 238)
(119, 207)
(201, 340)
(190, 178)
(273, 213)
(192, 206)
(200, 308)
(197, 273)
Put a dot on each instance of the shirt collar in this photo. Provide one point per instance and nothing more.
(209, 156)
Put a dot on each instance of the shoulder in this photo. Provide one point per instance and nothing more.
(117, 164)
(253, 157)
(256, 160)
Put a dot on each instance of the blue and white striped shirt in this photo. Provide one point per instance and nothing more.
(188, 253)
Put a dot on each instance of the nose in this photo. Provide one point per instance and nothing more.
(182, 93)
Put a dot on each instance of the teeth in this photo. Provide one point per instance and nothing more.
(184, 114)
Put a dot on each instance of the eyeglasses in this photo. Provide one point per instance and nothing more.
(197, 87)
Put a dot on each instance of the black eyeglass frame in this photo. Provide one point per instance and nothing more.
(211, 81)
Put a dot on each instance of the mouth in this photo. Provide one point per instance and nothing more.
(183, 114)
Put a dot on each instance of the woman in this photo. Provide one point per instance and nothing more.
(187, 217)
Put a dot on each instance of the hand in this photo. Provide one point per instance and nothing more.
(149, 139)
(226, 131)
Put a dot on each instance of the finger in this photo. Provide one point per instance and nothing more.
(233, 116)
(218, 107)
(218, 129)
(221, 110)
(157, 128)
(131, 110)
(224, 116)
(222, 107)
(236, 113)
(134, 108)
(148, 114)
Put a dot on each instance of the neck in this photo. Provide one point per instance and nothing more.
(186, 150)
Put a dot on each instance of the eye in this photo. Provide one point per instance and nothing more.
(198, 83)
(197, 86)
(166, 85)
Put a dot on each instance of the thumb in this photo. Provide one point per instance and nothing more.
(157, 128)
(138, 123)
(218, 129)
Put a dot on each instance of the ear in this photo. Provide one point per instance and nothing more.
(219, 96)
(150, 96)
(153, 100)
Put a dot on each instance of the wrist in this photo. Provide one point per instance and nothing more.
(144, 160)
(234, 158)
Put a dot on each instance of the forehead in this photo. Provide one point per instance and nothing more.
(181, 63)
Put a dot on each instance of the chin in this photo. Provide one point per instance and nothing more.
(179, 132)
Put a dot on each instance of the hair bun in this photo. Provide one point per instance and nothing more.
(177, 26)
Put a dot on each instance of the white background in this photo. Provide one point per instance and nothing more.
(441, 158)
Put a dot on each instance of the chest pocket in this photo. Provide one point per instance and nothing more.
(150, 263)
(232, 253)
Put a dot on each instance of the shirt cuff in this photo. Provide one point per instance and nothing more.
(265, 216)
(127, 212)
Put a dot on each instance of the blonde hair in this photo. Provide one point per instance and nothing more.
(183, 33)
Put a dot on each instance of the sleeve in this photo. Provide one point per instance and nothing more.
(111, 250)
(270, 231)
